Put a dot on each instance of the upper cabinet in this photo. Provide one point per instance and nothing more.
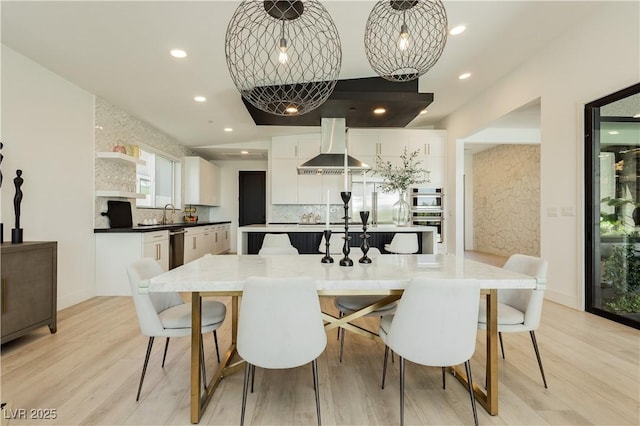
(389, 144)
(201, 182)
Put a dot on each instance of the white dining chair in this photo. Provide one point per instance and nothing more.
(520, 310)
(435, 325)
(403, 243)
(349, 304)
(166, 315)
(336, 242)
(274, 338)
(277, 244)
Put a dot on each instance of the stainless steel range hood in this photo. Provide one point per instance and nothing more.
(331, 158)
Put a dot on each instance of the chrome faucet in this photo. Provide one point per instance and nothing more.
(164, 214)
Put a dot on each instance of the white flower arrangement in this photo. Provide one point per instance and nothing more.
(400, 178)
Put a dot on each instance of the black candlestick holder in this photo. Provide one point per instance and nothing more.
(364, 246)
(327, 257)
(345, 261)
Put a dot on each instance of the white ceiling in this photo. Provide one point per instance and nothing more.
(119, 50)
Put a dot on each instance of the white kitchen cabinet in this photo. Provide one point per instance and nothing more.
(308, 146)
(156, 246)
(284, 147)
(201, 182)
(197, 243)
(362, 144)
(116, 250)
(284, 181)
(429, 143)
(392, 143)
(207, 239)
(287, 187)
(225, 238)
(221, 239)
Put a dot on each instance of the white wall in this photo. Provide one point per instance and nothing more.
(597, 57)
(229, 193)
(48, 133)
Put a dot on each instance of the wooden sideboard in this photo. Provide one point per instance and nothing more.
(29, 287)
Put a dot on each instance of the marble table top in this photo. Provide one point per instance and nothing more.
(227, 273)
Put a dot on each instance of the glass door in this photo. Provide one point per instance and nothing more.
(612, 217)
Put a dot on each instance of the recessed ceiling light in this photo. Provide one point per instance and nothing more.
(199, 98)
(244, 152)
(457, 30)
(228, 129)
(614, 132)
(178, 53)
(424, 111)
(464, 76)
(379, 111)
(637, 115)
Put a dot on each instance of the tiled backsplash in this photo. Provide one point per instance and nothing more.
(293, 213)
(117, 127)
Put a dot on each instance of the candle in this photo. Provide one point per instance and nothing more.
(327, 224)
(346, 171)
(364, 191)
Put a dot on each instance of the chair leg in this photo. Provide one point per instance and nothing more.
(444, 379)
(253, 376)
(247, 368)
(467, 366)
(340, 315)
(342, 333)
(401, 391)
(215, 340)
(535, 347)
(316, 388)
(501, 345)
(144, 366)
(384, 365)
(202, 362)
(166, 346)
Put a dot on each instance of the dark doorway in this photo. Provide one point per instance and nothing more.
(252, 198)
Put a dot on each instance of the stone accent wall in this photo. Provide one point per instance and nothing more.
(117, 127)
(506, 200)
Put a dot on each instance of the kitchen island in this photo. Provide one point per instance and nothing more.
(306, 238)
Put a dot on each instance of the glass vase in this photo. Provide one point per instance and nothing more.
(402, 210)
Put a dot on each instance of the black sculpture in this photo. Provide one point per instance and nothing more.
(16, 233)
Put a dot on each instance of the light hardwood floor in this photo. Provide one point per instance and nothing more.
(88, 372)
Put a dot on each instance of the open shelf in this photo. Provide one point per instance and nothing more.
(119, 194)
(120, 157)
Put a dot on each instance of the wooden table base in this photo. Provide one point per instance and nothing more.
(488, 399)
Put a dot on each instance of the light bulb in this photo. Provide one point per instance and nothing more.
(403, 42)
(283, 56)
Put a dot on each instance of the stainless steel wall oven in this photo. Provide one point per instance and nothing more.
(427, 209)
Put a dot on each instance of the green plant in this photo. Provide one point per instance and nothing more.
(626, 303)
(622, 267)
(614, 222)
(400, 178)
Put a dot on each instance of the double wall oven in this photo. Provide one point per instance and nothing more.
(427, 209)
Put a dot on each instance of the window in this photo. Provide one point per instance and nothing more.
(158, 180)
(612, 217)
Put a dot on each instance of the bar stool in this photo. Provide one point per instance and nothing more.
(403, 243)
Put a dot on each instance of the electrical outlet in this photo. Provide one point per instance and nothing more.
(552, 212)
(568, 211)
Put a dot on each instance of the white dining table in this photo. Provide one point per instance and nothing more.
(386, 276)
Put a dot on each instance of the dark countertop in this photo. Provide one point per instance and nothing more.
(151, 228)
